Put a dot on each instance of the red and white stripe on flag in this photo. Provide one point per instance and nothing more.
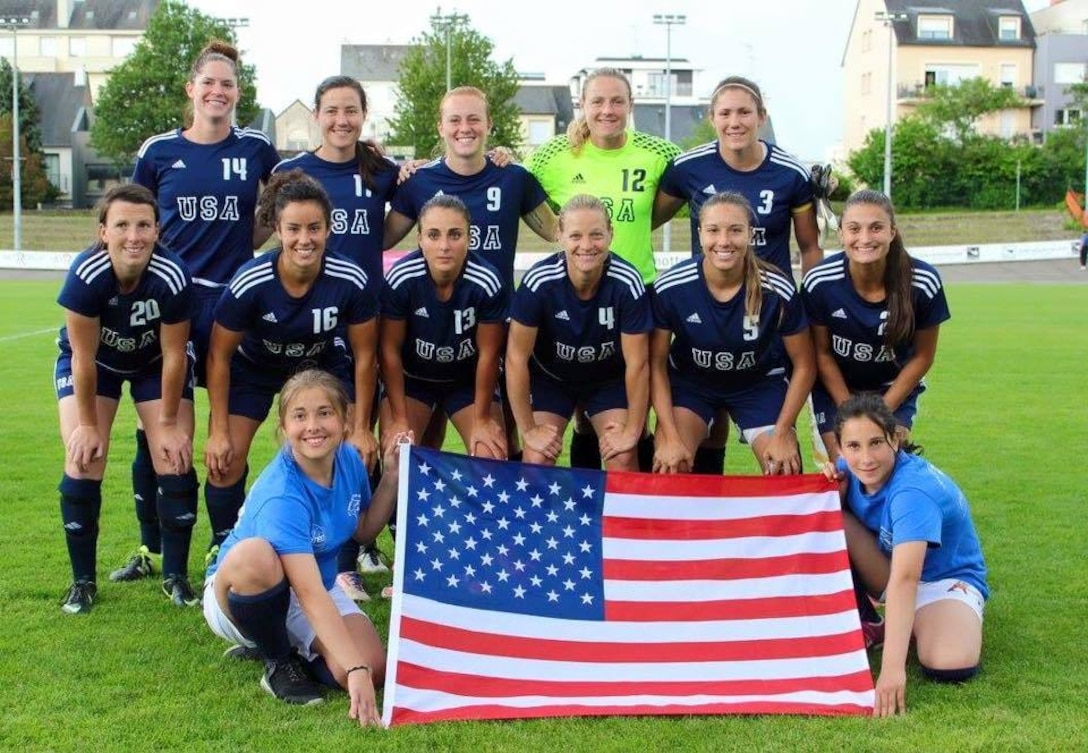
(726, 595)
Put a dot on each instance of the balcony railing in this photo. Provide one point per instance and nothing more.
(921, 91)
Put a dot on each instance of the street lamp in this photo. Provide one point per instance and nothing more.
(241, 22)
(15, 23)
(668, 20)
(888, 19)
(446, 22)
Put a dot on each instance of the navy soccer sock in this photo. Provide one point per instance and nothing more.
(223, 503)
(262, 618)
(176, 502)
(709, 460)
(80, 506)
(585, 451)
(950, 675)
(645, 451)
(144, 488)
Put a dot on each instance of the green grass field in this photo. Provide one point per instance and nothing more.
(1006, 416)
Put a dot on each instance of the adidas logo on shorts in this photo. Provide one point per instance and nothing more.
(563, 316)
(422, 311)
(694, 319)
(270, 317)
(839, 314)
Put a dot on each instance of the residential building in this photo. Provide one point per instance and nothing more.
(545, 111)
(75, 36)
(688, 93)
(377, 68)
(935, 42)
(1061, 59)
(296, 130)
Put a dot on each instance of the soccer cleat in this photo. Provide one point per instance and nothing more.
(180, 592)
(80, 598)
(352, 586)
(211, 556)
(243, 653)
(136, 567)
(370, 561)
(873, 632)
(287, 680)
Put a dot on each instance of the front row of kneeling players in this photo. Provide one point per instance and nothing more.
(723, 331)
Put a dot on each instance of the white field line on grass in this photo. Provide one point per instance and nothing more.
(21, 335)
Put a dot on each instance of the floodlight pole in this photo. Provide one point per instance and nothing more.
(668, 20)
(15, 23)
(888, 19)
(446, 22)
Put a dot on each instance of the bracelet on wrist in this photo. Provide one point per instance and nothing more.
(357, 666)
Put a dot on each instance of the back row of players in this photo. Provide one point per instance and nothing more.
(724, 334)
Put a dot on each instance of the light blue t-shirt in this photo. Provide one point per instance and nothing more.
(920, 503)
(299, 516)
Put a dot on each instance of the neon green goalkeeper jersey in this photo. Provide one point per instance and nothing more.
(625, 179)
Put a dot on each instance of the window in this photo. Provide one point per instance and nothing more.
(1008, 28)
(1068, 73)
(122, 47)
(1008, 124)
(949, 75)
(6, 46)
(49, 47)
(52, 171)
(935, 27)
(866, 40)
(1008, 74)
(1066, 117)
(77, 46)
(866, 82)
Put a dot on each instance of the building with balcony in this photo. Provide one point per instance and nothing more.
(1061, 59)
(935, 42)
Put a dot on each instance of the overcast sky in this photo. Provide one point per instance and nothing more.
(792, 48)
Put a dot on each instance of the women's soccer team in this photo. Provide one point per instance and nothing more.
(172, 296)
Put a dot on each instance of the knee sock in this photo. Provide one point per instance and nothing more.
(144, 486)
(80, 506)
(950, 675)
(866, 610)
(348, 556)
(516, 456)
(709, 460)
(263, 619)
(319, 670)
(176, 501)
(646, 454)
(223, 503)
(585, 451)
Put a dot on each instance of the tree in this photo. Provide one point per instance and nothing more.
(29, 118)
(959, 107)
(702, 133)
(145, 95)
(33, 181)
(423, 84)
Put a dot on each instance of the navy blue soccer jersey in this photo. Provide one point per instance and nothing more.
(777, 189)
(718, 342)
(579, 340)
(128, 322)
(358, 211)
(496, 198)
(856, 326)
(440, 337)
(207, 196)
(283, 332)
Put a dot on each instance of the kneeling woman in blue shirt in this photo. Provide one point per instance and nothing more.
(910, 537)
(273, 586)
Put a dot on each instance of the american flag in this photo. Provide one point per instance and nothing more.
(526, 591)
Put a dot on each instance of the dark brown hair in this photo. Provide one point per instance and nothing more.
(288, 188)
(368, 154)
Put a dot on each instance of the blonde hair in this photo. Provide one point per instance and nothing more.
(584, 201)
(578, 130)
(310, 379)
(469, 91)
